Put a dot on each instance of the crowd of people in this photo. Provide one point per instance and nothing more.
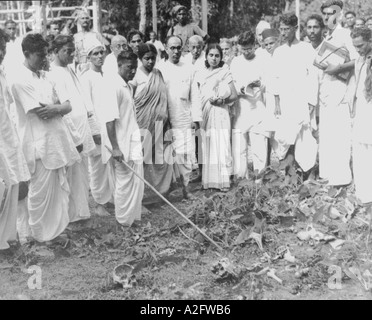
(81, 116)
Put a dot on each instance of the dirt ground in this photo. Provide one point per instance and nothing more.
(168, 260)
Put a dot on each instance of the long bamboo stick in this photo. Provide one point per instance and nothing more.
(168, 203)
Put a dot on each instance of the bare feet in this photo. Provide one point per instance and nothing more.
(101, 211)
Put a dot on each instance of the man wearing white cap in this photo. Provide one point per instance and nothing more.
(261, 27)
(82, 40)
(101, 167)
(68, 87)
(118, 45)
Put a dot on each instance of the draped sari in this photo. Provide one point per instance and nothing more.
(151, 102)
(216, 133)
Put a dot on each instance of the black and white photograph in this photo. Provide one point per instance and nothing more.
(186, 156)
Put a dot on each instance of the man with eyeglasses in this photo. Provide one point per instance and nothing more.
(178, 78)
(334, 102)
(118, 45)
(246, 70)
(295, 98)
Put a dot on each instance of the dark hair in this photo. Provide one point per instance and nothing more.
(127, 55)
(318, 18)
(134, 32)
(360, 18)
(145, 48)
(173, 36)
(9, 22)
(363, 32)
(34, 42)
(289, 19)
(60, 41)
(52, 23)
(330, 3)
(209, 48)
(350, 12)
(246, 38)
(4, 38)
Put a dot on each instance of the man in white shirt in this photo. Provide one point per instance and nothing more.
(13, 166)
(247, 72)
(125, 138)
(362, 112)
(118, 45)
(46, 141)
(158, 45)
(95, 84)
(178, 78)
(68, 87)
(334, 108)
(295, 97)
(14, 56)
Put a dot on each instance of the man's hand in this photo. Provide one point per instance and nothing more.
(97, 139)
(195, 126)
(46, 112)
(80, 148)
(117, 155)
(216, 102)
(331, 70)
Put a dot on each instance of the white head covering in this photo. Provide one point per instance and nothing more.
(94, 44)
(262, 25)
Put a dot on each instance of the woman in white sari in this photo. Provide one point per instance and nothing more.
(217, 91)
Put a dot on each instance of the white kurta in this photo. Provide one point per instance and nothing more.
(178, 79)
(101, 169)
(48, 148)
(68, 87)
(13, 169)
(129, 188)
(111, 64)
(362, 137)
(249, 116)
(334, 117)
(296, 85)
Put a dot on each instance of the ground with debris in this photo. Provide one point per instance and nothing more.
(282, 239)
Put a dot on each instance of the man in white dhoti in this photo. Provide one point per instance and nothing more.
(46, 141)
(101, 165)
(118, 45)
(125, 138)
(295, 97)
(247, 72)
(334, 112)
(68, 88)
(178, 78)
(362, 112)
(196, 59)
(13, 166)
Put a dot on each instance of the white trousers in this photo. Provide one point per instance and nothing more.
(8, 218)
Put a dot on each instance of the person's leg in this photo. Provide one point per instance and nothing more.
(240, 153)
(8, 218)
(259, 151)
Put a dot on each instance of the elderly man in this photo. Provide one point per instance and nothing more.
(125, 137)
(184, 29)
(334, 113)
(178, 77)
(118, 45)
(13, 166)
(362, 112)
(46, 141)
(101, 165)
(82, 40)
